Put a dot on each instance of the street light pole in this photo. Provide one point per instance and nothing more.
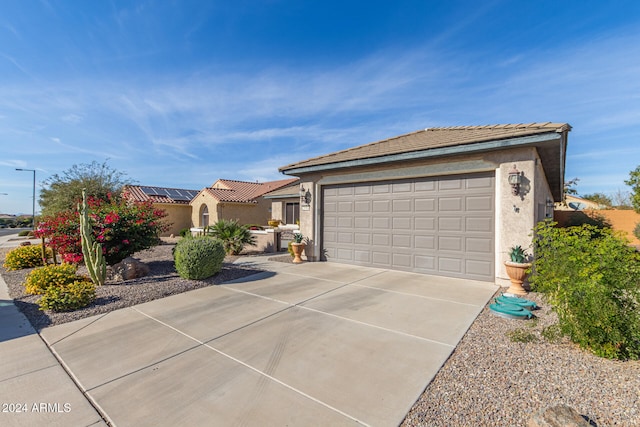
(33, 214)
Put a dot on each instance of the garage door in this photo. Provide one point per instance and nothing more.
(436, 225)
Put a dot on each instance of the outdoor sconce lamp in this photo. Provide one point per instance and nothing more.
(305, 196)
(515, 179)
(550, 205)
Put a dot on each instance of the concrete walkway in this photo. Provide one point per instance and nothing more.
(309, 344)
(34, 388)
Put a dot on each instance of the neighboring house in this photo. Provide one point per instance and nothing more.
(285, 203)
(436, 201)
(174, 201)
(239, 200)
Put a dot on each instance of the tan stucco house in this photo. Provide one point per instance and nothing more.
(230, 199)
(437, 201)
(174, 201)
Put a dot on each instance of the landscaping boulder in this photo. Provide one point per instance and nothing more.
(129, 268)
(558, 416)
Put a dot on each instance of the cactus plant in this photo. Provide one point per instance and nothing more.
(91, 250)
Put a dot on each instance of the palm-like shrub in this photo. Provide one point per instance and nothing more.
(232, 235)
(198, 257)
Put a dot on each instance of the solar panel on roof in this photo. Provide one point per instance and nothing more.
(173, 193)
(149, 191)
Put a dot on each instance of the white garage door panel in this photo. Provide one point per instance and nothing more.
(438, 225)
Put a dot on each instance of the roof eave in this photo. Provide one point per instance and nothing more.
(282, 196)
(471, 148)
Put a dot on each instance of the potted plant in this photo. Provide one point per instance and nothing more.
(517, 270)
(274, 223)
(297, 246)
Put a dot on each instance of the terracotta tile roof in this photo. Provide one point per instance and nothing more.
(143, 193)
(226, 190)
(432, 138)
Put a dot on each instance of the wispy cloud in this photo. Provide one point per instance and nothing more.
(13, 163)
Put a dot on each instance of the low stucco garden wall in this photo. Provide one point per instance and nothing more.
(623, 220)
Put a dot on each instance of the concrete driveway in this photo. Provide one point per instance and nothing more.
(309, 344)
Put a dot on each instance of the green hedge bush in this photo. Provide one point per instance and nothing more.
(24, 257)
(591, 277)
(72, 296)
(199, 257)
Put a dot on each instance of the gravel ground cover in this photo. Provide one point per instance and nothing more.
(489, 380)
(162, 281)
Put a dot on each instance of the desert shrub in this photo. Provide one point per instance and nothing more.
(68, 297)
(24, 233)
(579, 218)
(232, 235)
(121, 227)
(636, 231)
(290, 249)
(185, 232)
(24, 257)
(198, 258)
(591, 277)
(41, 279)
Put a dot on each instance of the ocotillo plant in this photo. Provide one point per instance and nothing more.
(91, 250)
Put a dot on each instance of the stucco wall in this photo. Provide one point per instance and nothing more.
(621, 220)
(515, 216)
(277, 209)
(201, 199)
(244, 213)
(179, 216)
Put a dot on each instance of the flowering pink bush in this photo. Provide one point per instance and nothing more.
(122, 228)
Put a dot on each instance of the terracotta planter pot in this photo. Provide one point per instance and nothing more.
(517, 273)
(298, 248)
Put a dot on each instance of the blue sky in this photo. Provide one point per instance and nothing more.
(181, 93)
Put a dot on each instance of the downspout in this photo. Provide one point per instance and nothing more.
(317, 255)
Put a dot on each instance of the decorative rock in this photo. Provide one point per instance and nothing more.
(558, 416)
(129, 268)
(27, 243)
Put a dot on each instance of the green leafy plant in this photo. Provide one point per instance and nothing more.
(517, 254)
(636, 230)
(24, 257)
(233, 236)
(43, 278)
(298, 238)
(185, 232)
(199, 257)
(79, 293)
(23, 233)
(591, 278)
(290, 250)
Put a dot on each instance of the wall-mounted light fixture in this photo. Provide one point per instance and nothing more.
(305, 196)
(550, 207)
(515, 180)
